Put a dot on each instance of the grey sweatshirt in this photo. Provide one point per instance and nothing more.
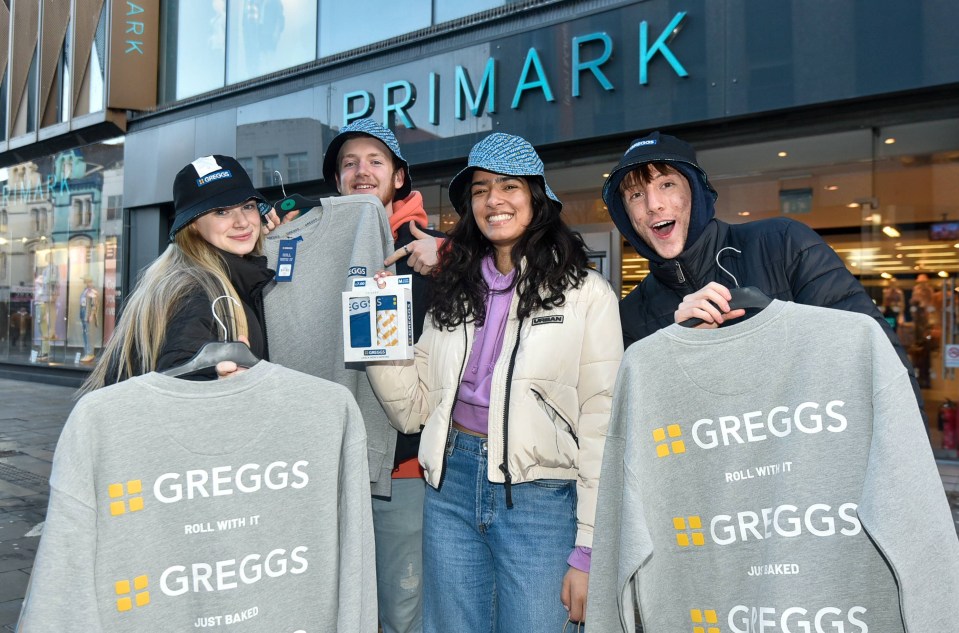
(238, 505)
(346, 237)
(773, 476)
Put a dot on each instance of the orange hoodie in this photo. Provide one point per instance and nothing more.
(409, 208)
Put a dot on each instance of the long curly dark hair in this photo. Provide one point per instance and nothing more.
(555, 261)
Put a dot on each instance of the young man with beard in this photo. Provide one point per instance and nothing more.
(365, 158)
(661, 200)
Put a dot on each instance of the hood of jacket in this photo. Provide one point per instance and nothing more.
(701, 212)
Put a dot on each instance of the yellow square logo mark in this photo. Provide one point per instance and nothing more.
(689, 530)
(134, 492)
(704, 616)
(128, 596)
(665, 442)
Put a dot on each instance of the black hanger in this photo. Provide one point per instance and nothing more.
(741, 298)
(215, 352)
(292, 202)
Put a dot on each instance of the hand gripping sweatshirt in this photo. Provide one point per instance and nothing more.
(345, 237)
(235, 505)
(770, 476)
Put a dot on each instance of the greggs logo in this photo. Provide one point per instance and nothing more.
(783, 521)
(217, 175)
(746, 619)
(212, 577)
(130, 498)
(215, 482)
(809, 418)
(129, 593)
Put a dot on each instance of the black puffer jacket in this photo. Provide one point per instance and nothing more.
(785, 259)
(192, 324)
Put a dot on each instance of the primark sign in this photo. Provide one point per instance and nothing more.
(605, 65)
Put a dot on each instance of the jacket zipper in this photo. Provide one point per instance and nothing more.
(456, 394)
(504, 467)
(679, 273)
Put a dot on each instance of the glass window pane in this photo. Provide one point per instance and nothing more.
(269, 35)
(59, 255)
(201, 52)
(381, 20)
(447, 10)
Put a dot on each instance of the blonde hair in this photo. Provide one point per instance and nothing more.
(189, 264)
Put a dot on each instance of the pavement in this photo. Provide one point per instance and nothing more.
(31, 417)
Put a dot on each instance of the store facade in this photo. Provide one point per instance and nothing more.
(844, 116)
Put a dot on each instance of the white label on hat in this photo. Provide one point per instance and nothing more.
(205, 165)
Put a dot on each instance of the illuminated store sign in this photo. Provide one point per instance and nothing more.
(584, 60)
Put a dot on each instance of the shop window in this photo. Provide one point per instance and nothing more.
(268, 164)
(447, 10)
(264, 36)
(4, 219)
(381, 21)
(3, 267)
(81, 213)
(200, 35)
(35, 221)
(114, 207)
(297, 167)
(247, 164)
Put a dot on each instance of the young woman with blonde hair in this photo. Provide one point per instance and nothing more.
(215, 250)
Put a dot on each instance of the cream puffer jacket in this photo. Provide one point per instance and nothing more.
(556, 371)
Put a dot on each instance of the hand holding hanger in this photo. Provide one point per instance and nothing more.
(710, 305)
(713, 304)
(214, 354)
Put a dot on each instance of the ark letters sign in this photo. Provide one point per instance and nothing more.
(133, 54)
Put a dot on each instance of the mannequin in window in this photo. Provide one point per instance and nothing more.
(45, 293)
(89, 317)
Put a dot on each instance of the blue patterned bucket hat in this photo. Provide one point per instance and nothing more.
(501, 154)
(367, 127)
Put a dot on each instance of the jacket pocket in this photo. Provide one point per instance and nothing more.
(560, 421)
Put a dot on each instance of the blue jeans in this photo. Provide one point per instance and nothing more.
(398, 530)
(488, 568)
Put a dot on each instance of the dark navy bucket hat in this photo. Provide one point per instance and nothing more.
(208, 183)
(367, 127)
(504, 154)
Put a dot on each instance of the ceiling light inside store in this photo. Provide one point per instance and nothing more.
(605, 175)
(891, 231)
(899, 255)
(782, 154)
(23, 240)
(3, 241)
(889, 141)
(943, 274)
(831, 187)
(885, 276)
(744, 213)
(853, 205)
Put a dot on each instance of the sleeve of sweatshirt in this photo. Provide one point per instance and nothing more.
(903, 506)
(61, 595)
(621, 541)
(357, 575)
